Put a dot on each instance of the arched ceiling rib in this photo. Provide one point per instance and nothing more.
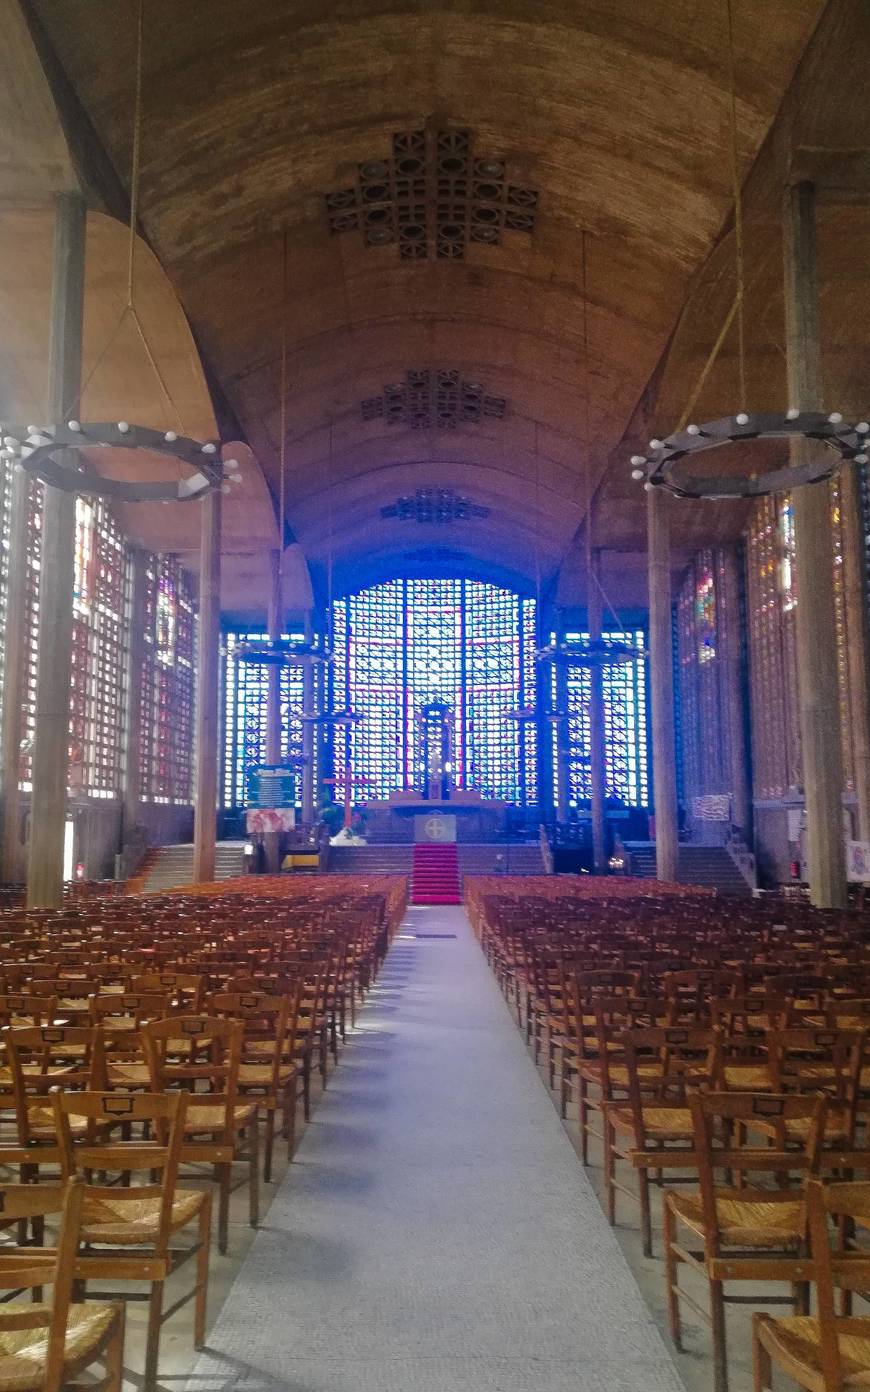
(617, 114)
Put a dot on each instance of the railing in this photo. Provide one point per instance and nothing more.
(744, 859)
(546, 849)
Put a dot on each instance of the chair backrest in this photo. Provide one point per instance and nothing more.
(197, 1053)
(25, 1268)
(684, 1056)
(102, 1152)
(835, 1268)
(43, 1056)
(721, 1119)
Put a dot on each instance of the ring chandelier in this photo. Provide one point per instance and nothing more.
(665, 465)
(55, 454)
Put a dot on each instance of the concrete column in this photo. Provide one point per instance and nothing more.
(858, 636)
(207, 690)
(275, 621)
(11, 849)
(51, 743)
(309, 734)
(596, 718)
(661, 685)
(561, 742)
(274, 732)
(741, 796)
(816, 634)
(135, 666)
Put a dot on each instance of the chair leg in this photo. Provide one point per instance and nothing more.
(672, 1277)
(609, 1165)
(254, 1173)
(114, 1355)
(290, 1116)
(761, 1369)
(720, 1351)
(270, 1142)
(306, 1085)
(645, 1215)
(224, 1181)
(152, 1346)
(583, 1111)
(200, 1307)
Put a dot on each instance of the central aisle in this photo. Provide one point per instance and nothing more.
(436, 1232)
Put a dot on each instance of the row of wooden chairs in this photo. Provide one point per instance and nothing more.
(739, 1080)
(122, 1069)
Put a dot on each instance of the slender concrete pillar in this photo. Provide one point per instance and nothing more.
(53, 673)
(561, 742)
(596, 718)
(309, 734)
(857, 636)
(274, 742)
(741, 795)
(275, 621)
(207, 690)
(11, 849)
(135, 666)
(816, 633)
(661, 673)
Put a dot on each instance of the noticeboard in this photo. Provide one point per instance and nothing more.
(271, 785)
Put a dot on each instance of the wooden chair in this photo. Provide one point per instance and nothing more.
(42, 1057)
(826, 1352)
(265, 1071)
(127, 1228)
(45, 1347)
(652, 1129)
(202, 1055)
(751, 1233)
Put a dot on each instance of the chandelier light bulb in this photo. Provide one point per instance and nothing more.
(171, 436)
(792, 413)
(835, 417)
(742, 418)
(638, 459)
(209, 448)
(74, 425)
(225, 488)
(862, 428)
(655, 444)
(637, 474)
(693, 429)
(861, 458)
(123, 427)
(648, 488)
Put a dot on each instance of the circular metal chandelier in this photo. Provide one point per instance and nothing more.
(56, 455)
(282, 652)
(667, 463)
(589, 652)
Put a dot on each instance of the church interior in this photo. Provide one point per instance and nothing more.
(434, 695)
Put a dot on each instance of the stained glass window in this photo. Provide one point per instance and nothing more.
(167, 684)
(626, 759)
(467, 643)
(245, 691)
(98, 652)
(705, 608)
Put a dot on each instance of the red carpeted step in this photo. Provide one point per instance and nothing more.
(435, 875)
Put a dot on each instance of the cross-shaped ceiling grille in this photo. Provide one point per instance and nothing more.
(432, 197)
(427, 400)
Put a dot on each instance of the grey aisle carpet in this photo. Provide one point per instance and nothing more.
(436, 1232)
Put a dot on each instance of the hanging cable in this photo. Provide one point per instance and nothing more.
(737, 192)
(282, 424)
(129, 310)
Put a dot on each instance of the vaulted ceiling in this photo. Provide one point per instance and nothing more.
(566, 169)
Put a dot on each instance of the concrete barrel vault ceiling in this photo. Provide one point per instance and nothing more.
(616, 113)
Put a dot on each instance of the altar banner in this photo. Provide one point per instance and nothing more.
(712, 807)
(435, 827)
(262, 819)
(858, 860)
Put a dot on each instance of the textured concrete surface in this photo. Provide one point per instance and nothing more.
(436, 1232)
